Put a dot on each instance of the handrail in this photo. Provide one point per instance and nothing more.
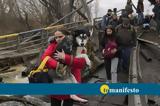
(37, 30)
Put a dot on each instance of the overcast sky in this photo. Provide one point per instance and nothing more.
(104, 5)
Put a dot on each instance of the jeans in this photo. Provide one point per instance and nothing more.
(125, 57)
(111, 69)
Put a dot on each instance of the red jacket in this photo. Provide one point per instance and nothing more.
(76, 67)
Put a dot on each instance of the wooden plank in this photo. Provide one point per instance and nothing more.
(149, 42)
(8, 47)
(15, 55)
(7, 52)
(5, 68)
(7, 42)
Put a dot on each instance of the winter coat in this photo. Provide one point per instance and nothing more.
(76, 65)
(126, 37)
(105, 21)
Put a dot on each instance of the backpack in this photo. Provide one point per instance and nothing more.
(110, 45)
(40, 74)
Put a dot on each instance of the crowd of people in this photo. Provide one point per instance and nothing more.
(118, 35)
(117, 42)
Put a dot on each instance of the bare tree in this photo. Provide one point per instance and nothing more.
(54, 9)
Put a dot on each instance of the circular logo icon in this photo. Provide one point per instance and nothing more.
(104, 89)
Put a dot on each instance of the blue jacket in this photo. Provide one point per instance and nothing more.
(105, 22)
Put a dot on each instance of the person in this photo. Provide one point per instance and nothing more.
(140, 10)
(114, 21)
(115, 11)
(106, 18)
(153, 24)
(128, 7)
(132, 19)
(156, 11)
(124, 14)
(110, 53)
(126, 38)
(146, 22)
(58, 57)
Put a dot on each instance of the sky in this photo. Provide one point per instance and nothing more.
(104, 5)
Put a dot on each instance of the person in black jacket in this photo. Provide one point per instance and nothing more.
(110, 53)
(126, 38)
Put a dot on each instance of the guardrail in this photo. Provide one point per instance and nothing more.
(29, 42)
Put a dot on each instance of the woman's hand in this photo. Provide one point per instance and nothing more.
(59, 55)
(103, 51)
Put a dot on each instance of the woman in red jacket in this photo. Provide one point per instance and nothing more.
(76, 65)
